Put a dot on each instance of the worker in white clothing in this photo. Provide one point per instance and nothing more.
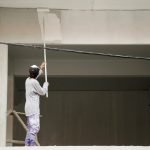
(32, 105)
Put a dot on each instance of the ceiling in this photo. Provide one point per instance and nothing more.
(77, 4)
(54, 4)
(22, 52)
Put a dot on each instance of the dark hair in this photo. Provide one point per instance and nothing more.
(33, 72)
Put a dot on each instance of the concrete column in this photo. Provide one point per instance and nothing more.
(10, 103)
(3, 92)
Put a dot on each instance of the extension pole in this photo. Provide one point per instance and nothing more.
(45, 66)
(45, 60)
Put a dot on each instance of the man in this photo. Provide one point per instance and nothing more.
(32, 105)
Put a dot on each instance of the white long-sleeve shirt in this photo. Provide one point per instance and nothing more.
(33, 92)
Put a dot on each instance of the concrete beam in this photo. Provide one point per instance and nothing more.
(76, 27)
(79, 148)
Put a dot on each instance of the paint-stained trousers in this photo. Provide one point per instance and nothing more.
(33, 124)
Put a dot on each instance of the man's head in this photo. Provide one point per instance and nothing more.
(34, 71)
